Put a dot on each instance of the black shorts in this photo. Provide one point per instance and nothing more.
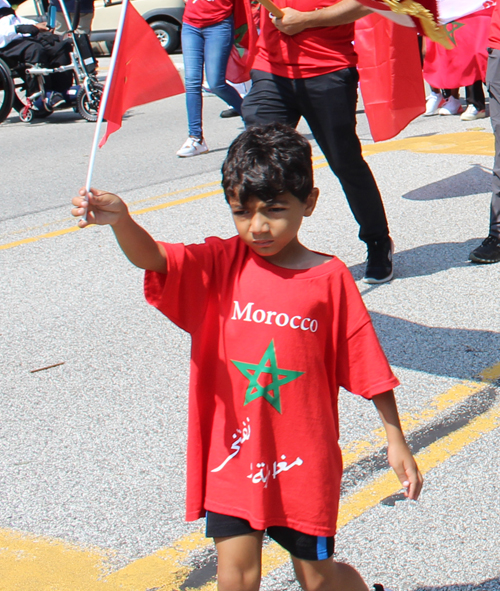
(303, 546)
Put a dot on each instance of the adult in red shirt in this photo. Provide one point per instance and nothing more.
(489, 250)
(207, 38)
(305, 66)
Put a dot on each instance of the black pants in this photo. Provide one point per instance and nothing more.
(328, 104)
(45, 49)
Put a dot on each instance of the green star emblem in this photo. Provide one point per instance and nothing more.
(268, 372)
(451, 29)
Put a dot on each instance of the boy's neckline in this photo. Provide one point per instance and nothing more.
(315, 271)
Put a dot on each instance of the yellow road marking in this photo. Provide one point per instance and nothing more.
(137, 212)
(57, 565)
(471, 142)
(130, 204)
(466, 142)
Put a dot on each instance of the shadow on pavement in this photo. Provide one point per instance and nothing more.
(489, 585)
(474, 181)
(451, 352)
(428, 259)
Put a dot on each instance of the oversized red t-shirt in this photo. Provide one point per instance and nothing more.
(494, 40)
(313, 52)
(203, 13)
(270, 348)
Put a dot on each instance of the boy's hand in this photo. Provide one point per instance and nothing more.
(399, 455)
(102, 208)
(403, 463)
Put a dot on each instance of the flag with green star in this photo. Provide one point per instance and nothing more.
(265, 378)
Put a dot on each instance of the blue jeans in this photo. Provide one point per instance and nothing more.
(210, 46)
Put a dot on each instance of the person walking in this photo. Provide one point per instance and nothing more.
(489, 250)
(207, 37)
(305, 66)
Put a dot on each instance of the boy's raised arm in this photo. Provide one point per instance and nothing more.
(105, 208)
(398, 453)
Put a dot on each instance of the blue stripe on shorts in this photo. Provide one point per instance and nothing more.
(321, 548)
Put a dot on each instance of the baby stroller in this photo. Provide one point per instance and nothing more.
(85, 94)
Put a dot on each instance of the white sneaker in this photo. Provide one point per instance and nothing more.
(433, 102)
(192, 147)
(471, 114)
(451, 106)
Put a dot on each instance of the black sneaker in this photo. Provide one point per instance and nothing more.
(55, 100)
(379, 261)
(228, 113)
(488, 252)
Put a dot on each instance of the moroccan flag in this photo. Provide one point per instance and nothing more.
(390, 75)
(245, 42)
(143, 71)
(466, 62)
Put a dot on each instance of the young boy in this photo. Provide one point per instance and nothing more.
(276, 328)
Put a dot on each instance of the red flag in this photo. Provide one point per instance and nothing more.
(245, 43)
(390, 75)
(143, 72)
(466, 62)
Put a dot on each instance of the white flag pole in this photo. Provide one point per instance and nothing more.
(104, 98)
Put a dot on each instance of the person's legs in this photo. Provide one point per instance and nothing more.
(476, 108)
(193, 44)
(270, 99)
(328, 103)
(474, 95)
(218, 43)
(26, 51)
(327, 575)
(489, 250)
(239, 562)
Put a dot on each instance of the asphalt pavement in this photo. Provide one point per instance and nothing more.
(93, 398)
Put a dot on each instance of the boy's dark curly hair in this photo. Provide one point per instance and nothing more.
(265, 161)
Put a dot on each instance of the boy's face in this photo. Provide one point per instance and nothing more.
(270, 228)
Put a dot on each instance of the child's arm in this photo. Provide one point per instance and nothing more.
(105, 208)
(398, 452)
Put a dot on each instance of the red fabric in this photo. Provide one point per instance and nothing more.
(313, 52)
(466, 63)
(390, 75)
(203, 13)
(253, 453)
(143, 72)
(494, 40)
(245, 40)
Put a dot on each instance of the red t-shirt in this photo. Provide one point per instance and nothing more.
(494, 41)
(313, 52)
(270, 348)
(203, 13)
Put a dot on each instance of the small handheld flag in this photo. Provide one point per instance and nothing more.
(140, 72)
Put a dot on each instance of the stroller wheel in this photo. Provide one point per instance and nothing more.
(89, 107)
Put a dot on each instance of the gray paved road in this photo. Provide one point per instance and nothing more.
(92, 450)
